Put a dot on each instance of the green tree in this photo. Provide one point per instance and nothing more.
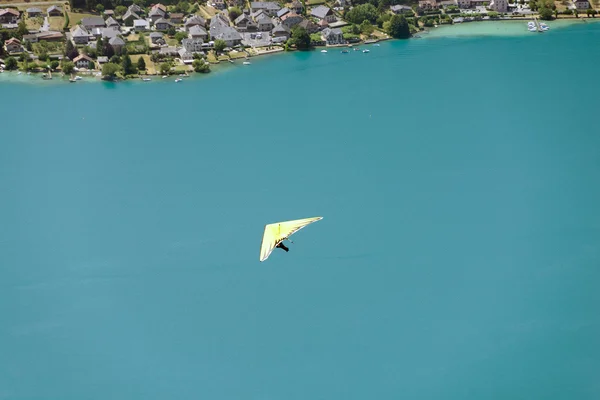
(361, 13)
(545, 13)
(171, 31)
(141, 64)
(67, 67)
(127, 65)
(301, 37)
(399, 27)
(120, 10)
(234, 12)
(54, 64)
(107, 49)
(109, 71)
(21, 29)
(90, 4)
(182, 7)
(70, 50)
(165, 68)
(99, 8)
(366, 28)
(10, 63)
(220, 45)
(180, 36)
(201, 66)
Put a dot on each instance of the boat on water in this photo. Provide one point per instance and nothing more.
(345, 51)
(544, 26)
(356, 49)
(178, 80)
(246, 63)
(146, 79)
(365, 51)
(376, 44)
(165, 76)
(72, 80)
(186, 75)
(531, 26)
(78, 78)
(323, 51)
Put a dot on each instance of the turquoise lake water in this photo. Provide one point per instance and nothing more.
(458, 257)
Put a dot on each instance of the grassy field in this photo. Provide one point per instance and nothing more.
(75, 18)
(206, 12)
(34, 23)
(150, 67)
(56, 23)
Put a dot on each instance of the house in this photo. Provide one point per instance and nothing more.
(109, 32)
(217, 25)
(102, 60)
(230, 36)
(109, 13)
(31, 38)
(163, 24)
(50, 36)
(245, 23)
(499, 5)
(13, 45)
(117, 44)
(401, 9)
(281, 31)
(157, 38)
(92, 22)
(83, 61)
(129, 17)
(157, 12)
(9, 16)
(134, 8)
(291, 19)
(265, 24)
(34, 12)
(432, 4)
(192, 45)
(112, 23)
(176, 18)
(323, 13)
(169, 51)
(219, 4)
(333, 36)
(309, 26)
(198, 32)
(297, 7)
(282, 12)
(581, 4)
(185, 56)
(80, 35)
(269, 7)
(194, 21)
(54, 11)
(141, 25)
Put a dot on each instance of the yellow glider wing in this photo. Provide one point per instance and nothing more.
(279, 231)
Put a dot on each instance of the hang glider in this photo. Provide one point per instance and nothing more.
(279, 231)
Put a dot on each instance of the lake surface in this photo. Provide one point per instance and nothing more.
(458, 257)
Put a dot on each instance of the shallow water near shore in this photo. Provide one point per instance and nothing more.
(457, 258)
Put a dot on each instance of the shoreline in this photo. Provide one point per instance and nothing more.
(462, 30)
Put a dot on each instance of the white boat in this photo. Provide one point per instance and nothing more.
(19, 73)
(376, 44)
(165, 76)
(544, 26)
(246, 63)
(365, 51)
(146, 79)
(77, 78)
(178, 80)
(323, 51)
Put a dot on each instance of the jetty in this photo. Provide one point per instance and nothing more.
(537, 24)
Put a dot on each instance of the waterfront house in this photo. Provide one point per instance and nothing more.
(80, 35)
(296, 7)
(185, 56)
(129, 17)
(9, 16)
(499, 5)
(269, 7)
(230, 36)
(265, 24)
(83, 61)
(13, 45)
(291, 19)
(54, 11)
(193, 45)
(198, 32)
(117, 44)
(141, 25)
(432, 4)
(323, 13)
(401, 9)
(102, 60)
(163, 24)
(581, 4)
(112, 23)
(176, 18)
(282, 12)
(34, 12)
(92, 22)
(309, 26)
(280, 31)
(194, 21)
(333, 36)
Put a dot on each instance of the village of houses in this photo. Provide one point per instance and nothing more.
(262, 27)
